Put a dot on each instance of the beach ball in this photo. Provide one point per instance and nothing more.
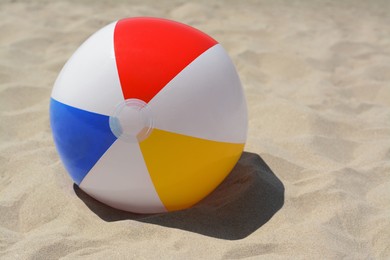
(148, 115)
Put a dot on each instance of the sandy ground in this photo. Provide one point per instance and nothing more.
(314, 182)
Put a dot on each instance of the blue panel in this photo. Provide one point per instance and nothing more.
(81, 137)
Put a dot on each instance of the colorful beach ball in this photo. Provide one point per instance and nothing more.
(148, 115)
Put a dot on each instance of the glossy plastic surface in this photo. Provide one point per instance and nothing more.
(81, 137)
(149, 115)
(150, 52)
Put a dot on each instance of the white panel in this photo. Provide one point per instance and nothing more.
(204, 100)
(89, 80)
(121, 180)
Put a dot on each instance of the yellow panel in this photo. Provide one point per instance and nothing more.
(186, 169)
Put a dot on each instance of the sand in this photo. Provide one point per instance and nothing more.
(313, 183)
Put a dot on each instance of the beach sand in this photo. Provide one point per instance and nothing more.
(313, 183)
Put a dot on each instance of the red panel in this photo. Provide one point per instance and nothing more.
(150, 52)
